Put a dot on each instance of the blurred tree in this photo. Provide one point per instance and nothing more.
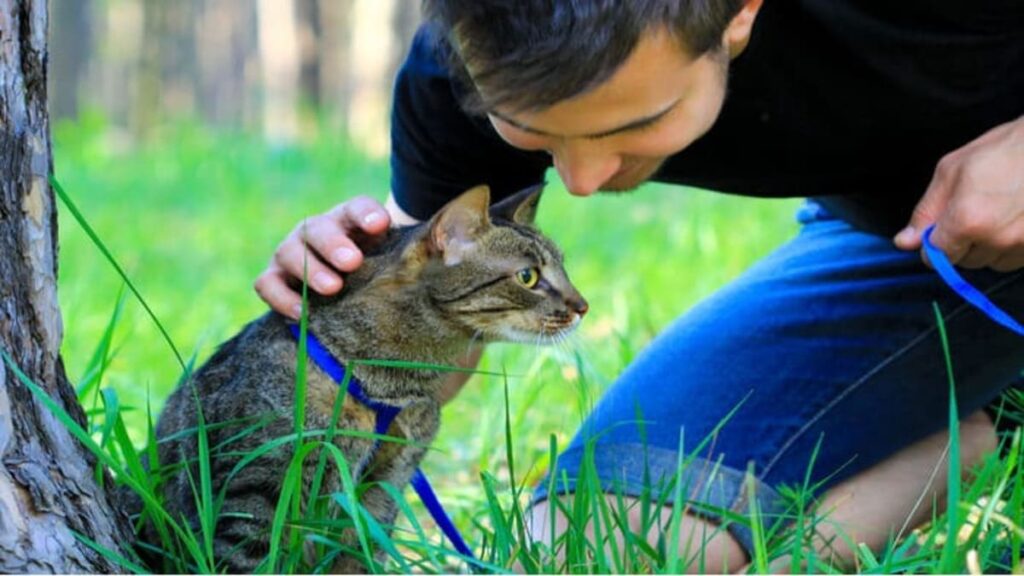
(168, 71)
(178, 70)
(70, 47)
(226, 56)
(310, 35)
(404, 21)
(279, 59)
(111, 83)
(49, 496)
(147, 91)
(336, 78)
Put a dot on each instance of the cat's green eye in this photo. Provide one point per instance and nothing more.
(528, 277)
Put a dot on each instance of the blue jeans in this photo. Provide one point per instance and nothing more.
(833, 339)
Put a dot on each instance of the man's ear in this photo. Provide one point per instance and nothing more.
(737, 33)
(455, 228)
(520, 207)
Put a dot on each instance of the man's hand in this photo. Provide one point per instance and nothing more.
(331, 241)
(976, 201)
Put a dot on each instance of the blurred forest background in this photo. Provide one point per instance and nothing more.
(286, 69)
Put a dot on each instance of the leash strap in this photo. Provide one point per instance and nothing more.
(386, 414)
(964, 288)
(429, 498)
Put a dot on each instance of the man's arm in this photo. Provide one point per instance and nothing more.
(398, 216)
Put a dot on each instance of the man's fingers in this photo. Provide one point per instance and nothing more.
(323, 236)
(1008, 263)
(272, 286)
(978, 257)
(299, 262)
(953, 246)
(362, 213)
(931, 206)
(319, 250)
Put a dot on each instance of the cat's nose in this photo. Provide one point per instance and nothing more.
(578, 305)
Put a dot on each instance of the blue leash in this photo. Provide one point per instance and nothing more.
(386, 414)
(964, 288)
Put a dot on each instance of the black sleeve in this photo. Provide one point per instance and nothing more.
(437, 150)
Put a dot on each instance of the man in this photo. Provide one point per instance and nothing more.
(892, 116)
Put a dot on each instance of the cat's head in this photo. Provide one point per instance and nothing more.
(488, 269)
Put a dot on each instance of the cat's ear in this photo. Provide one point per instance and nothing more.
(520, 207)
(455, 228)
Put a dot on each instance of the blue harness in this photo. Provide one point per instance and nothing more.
(386, 414)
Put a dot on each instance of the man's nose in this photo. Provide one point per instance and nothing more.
(584, 168)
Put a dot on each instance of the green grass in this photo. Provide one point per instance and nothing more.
(193, 218)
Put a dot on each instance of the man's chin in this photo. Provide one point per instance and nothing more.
(630, 182)
(617, 189)
(627, 185)
(624, 184)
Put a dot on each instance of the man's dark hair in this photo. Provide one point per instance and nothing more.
(530, 54)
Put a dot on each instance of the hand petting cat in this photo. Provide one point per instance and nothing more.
(332, 242)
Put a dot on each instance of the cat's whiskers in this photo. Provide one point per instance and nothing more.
(577, 349)
(477, 335)
(562, 343)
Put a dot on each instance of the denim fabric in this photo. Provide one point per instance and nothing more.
(832, 338)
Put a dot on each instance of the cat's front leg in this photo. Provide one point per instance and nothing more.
(394, 464)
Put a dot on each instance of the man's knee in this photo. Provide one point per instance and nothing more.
(702, 546)
(977, 439)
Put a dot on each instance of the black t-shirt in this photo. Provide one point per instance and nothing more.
(852, 102)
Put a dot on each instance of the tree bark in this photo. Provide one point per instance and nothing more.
(48, 492)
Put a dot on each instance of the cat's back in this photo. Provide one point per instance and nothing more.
(247, 375)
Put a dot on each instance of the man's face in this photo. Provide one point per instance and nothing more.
(616, 136)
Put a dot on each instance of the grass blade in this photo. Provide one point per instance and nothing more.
(947, 562)
(113, 262)
(110, 555)
(92, 377)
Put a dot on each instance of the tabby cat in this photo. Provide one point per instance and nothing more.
(471, 273)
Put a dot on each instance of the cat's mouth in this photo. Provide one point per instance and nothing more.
(547, 331)
(558, 326)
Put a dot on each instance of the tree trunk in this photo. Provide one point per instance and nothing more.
(178, 60)
(279, 63)
(48, 492)
(404, 22)
(310, 30)
(147, 105)
(336, 79)
(70, 47)
(225, 32)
